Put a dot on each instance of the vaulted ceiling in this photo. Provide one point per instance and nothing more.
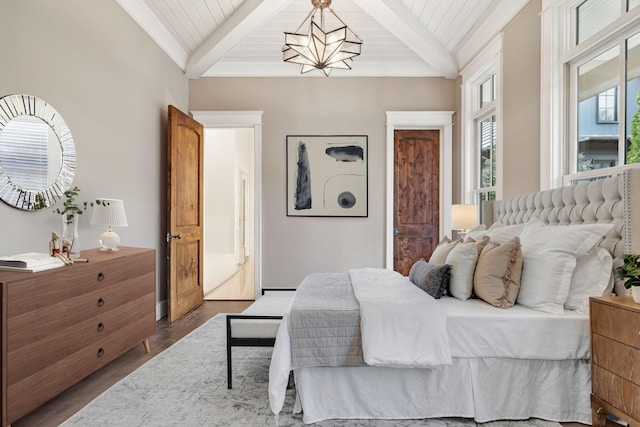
(401, 38)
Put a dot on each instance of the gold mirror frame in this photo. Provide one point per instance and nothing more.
(13, 193)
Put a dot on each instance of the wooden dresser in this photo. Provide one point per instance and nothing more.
(615, 359)
(60, 325)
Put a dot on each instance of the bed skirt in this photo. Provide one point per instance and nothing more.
(485, 389)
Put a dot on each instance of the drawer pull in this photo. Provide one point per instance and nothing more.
(100, 276)
(100, 352)
(100, 302)
(100, 326)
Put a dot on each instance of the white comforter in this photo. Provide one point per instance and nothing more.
(401, 326)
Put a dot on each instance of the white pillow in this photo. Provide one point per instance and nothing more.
(439, 254)
(476, 232)
(505, 233)
(549, 259)
(592, 277)
(462, 259)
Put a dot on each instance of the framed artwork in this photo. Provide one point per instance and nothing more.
(327, 175)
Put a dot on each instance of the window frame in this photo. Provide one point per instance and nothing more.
(486, 64)
(560, 55)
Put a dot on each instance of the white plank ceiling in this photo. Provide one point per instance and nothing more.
(403, 38)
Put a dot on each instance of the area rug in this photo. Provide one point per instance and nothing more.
(186, 385)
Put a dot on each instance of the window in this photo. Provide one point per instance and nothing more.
(594, 82)
(608, 106)
(481, 106)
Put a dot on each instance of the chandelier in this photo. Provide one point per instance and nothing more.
(320, 49)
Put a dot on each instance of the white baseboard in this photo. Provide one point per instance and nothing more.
(161, 309)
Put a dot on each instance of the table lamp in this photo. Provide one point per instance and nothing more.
(109, 212)
(464, 217)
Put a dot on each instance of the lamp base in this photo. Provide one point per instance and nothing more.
(109, 241)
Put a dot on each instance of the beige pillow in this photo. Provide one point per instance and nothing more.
(498, 271)
(439, 255)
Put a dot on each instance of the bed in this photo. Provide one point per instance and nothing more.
(395, 351)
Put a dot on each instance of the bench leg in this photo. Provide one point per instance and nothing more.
(229, 385)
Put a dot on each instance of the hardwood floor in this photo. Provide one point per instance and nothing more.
(72, 400)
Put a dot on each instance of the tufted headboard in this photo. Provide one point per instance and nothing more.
(615, 199)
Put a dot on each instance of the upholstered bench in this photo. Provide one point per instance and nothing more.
(257, 326)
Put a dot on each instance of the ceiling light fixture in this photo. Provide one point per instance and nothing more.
(320, 49)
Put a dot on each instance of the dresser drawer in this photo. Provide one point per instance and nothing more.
(36, 389)
(33, 357)
(617, 323)
(40, 324)
(617, 358)
(616, 391)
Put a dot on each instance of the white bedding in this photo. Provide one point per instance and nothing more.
(401, 325)
(486, 389)
(477, 329)
(494, 352)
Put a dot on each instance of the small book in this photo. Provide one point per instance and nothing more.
(30, 261)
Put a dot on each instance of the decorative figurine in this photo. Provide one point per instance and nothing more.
(66, 248)
(54, 244)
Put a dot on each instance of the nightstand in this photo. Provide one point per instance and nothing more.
(615, 359)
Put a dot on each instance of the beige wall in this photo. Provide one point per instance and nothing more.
(521, 108)
(112, 85)
(296, 246)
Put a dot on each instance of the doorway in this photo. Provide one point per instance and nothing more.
(228, 272)
(232, 266)
(423, 120)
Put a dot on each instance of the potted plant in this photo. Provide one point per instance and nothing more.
(70, 212)
(630, 271)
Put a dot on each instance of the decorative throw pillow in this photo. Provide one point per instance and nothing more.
(549, 254)
(499, 232)
(431, 278)
(439, 255)
(498, 272)
(592, 277)
(476, 232)
(462, 259)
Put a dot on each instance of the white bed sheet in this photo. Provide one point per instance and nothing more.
(478, 329)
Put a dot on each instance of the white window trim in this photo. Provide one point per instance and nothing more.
(557, 49)
(487, 62)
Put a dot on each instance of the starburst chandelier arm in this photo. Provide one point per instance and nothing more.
(343, 23)
(310, 15)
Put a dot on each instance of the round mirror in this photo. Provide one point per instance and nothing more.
(37, 153)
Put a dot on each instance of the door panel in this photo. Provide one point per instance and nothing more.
(184, 213)
(416, 196)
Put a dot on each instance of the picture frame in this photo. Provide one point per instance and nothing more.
(327, 175)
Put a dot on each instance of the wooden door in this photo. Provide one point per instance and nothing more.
(416, 196)
(184, 213)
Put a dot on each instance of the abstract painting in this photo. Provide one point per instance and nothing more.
(327, 175)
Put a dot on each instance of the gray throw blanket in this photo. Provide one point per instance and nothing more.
(324, 323)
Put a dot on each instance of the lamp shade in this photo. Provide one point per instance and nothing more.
(109, 212)
(464, 217)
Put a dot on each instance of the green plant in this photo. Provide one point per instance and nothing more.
(633, 155)
(71, 207)
(630, 270)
